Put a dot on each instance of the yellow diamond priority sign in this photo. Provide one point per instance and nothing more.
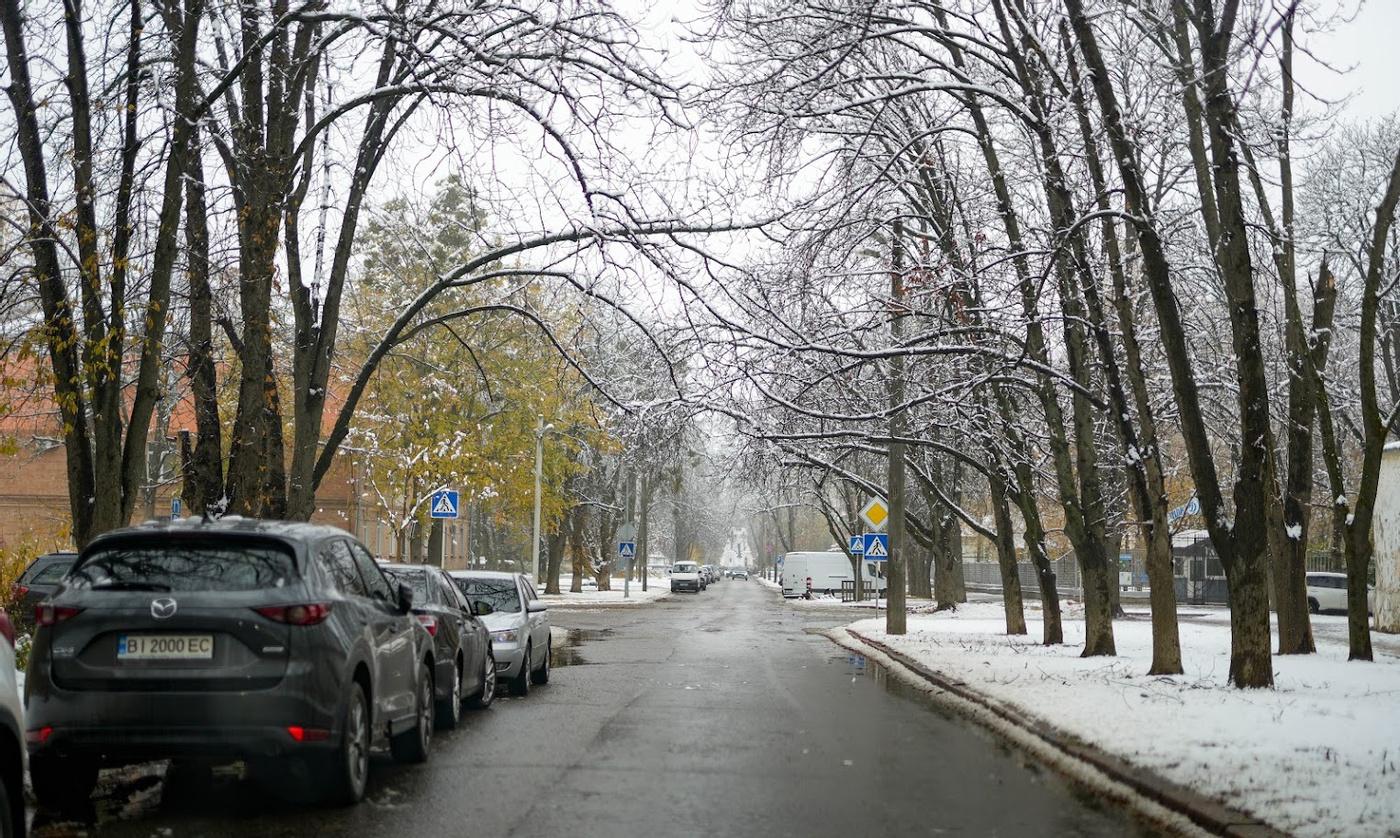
(876, 514)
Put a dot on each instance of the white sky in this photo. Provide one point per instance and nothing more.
(1364, 56)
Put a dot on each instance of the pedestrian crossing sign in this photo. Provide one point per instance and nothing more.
(877, 547)
(857, 545)
(627, 550)
(443, 504)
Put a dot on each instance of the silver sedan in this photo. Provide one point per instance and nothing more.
(518, 622)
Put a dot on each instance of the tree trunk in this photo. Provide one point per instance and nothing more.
(1006, 552)
(554, 546)
(895, 618)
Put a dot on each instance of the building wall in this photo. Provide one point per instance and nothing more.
(34, 499)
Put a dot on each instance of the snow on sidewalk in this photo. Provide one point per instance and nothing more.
(594, 598)
(1317, 755)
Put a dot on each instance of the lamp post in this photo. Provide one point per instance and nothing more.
(540, 430)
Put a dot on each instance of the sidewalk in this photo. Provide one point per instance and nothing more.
(1318, 755)
(593, 598)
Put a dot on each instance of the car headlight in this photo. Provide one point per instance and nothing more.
(507, 636)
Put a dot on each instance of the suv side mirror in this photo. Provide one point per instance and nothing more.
(481, 608)
(405, 598)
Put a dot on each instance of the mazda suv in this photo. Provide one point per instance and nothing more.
(279, 644)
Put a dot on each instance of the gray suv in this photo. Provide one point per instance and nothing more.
(281, 644)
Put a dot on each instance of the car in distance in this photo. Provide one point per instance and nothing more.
(1328, 592)
(685, 576)
(462, 645)
(37, 581)
(280, 644)
(518, 622)
(12, 754)
(739, 573)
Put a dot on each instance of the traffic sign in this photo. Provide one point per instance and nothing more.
(627, 550)
(444, 504)
(857, 545)
(877, 547)
(174, 509)
(876, 514)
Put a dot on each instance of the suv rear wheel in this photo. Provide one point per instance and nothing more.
(412, 745)
(348, 770)
(60, 782)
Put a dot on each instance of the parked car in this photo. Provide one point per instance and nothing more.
(34, 584)
(713, 572)
(281, 644)
(466, 667)
(739, 573)
(12, 756)
(518, 622)
(685, 576)
(1328, 592)
(588, 583)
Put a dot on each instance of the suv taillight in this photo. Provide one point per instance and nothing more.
(307, 614)
(47, 614)
(18, 591)
(429, 622)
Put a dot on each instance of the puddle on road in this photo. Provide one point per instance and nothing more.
(566, 653)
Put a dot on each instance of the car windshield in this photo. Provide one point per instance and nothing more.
(185, 566)
(414, 579)
(500, 594)
(684, 568)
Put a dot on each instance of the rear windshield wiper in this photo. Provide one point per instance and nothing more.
(130, 586)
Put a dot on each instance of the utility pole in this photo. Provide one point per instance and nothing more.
(643, 532)
(540, 430)
(894, 616)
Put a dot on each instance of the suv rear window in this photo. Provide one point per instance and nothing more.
(51, 573)
(185, 566)
(414, 579)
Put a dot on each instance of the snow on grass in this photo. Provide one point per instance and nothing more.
(592, 597)
(1317, 755)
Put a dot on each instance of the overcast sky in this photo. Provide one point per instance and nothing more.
(1365, 56)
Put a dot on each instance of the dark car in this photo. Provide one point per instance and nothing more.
(280, 644)
(36, 582)
(12, 820)
(465, 665)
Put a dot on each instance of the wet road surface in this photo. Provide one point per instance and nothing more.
(717, 714)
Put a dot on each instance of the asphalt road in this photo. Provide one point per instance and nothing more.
(716, 714)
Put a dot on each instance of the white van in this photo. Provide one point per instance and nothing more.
(823, 573)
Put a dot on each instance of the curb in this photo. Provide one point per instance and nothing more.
(1196, 807)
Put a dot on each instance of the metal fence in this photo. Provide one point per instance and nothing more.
(1197, 574)
(988, 574)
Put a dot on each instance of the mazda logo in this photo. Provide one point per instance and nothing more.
(163, 608)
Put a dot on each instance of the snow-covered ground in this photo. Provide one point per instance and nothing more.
(1317, 755)
(657, 588)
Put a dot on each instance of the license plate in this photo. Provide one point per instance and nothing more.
(139, 647)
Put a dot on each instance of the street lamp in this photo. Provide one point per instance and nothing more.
(540, 430)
